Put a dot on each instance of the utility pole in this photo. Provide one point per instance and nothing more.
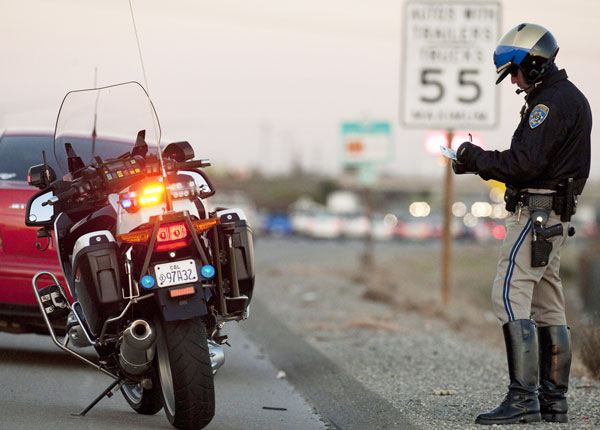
(447, 233)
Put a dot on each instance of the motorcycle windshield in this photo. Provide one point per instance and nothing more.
(104, 122)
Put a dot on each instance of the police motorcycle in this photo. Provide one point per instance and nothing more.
(151, 275)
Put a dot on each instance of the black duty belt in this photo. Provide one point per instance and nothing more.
(563, 201)
(560, 204)
(537, 201)
(559, 186)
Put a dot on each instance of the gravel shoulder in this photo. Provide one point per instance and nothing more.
(438, 366)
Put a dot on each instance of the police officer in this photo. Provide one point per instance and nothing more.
(544, 170)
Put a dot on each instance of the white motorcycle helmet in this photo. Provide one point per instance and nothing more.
(528, 47)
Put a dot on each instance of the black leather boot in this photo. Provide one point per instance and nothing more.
(521, 404)
(555, 365)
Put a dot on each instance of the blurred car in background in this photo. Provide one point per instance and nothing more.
(418, 229)
(323, 225)
(382, 227)
(19, 257)
(277, 224)
(354, 225)
(300, 220)
(301, 212)
(358, 226)
(487, 230)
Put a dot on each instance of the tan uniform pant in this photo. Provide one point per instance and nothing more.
(521, 291)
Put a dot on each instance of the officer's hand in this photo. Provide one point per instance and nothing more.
(465, 160)
(458, 168)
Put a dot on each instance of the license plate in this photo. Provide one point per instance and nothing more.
(176, 273)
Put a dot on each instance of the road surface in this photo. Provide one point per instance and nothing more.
(40, 387)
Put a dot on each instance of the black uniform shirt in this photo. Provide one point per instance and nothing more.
(551, 143)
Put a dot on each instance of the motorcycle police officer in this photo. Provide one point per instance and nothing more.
(544, 170)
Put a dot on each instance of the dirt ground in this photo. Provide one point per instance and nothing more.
(406, 278)
(416, 286)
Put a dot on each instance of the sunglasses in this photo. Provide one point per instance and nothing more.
(513, 70)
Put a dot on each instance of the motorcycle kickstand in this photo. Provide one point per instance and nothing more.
(105, 393)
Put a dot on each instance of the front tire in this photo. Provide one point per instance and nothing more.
(185, 373)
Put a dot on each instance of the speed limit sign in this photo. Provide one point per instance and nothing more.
(448, 76)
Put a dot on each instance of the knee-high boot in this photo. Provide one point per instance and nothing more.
(555, 366)
(521, 404)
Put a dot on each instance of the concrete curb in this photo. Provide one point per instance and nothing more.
(343, 401)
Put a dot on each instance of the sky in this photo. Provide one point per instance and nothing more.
(258, 84)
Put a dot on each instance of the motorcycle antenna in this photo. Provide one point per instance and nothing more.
(94, 134)
(139, 46)
(147, 89)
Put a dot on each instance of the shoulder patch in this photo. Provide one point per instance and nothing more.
(538, 115)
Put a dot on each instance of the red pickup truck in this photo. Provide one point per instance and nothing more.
(19, 257)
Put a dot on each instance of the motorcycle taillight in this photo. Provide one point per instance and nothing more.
(169, 236)
(172, 236)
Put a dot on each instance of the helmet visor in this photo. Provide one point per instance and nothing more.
(507, 60)
(508, 69)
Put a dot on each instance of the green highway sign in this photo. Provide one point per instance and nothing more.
(366, 142)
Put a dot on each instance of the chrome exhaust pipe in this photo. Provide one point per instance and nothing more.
(217, 355)
(138, 347)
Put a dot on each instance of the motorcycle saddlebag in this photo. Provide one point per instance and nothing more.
(97, 278)
(236, 236)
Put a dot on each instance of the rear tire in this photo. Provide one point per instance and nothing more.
(185, 373)
(145, 402)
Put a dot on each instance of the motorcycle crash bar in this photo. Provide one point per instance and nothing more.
(62, 346)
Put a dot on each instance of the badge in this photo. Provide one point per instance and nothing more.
(538, 115)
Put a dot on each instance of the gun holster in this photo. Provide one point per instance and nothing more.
(541, 247)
